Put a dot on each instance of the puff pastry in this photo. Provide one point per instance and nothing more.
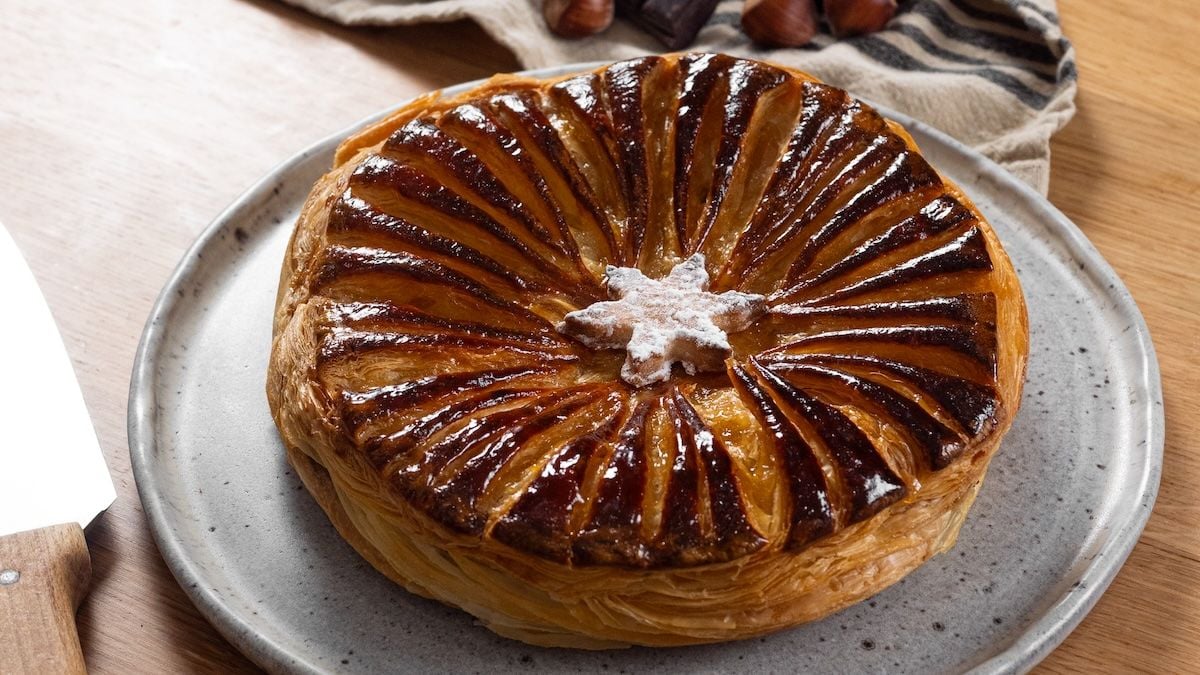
(473, 447)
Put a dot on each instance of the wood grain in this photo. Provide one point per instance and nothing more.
(125, 127)
(1127, 171)
(44, 575)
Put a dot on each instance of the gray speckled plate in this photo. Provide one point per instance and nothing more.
(1063, 504)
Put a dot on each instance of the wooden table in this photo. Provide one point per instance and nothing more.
(125, 127)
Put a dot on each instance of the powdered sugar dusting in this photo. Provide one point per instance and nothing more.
(660, 322)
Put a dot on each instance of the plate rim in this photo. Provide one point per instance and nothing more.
(1019, 655)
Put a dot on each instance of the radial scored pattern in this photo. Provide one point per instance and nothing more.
(452, 251)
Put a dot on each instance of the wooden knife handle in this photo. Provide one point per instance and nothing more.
(43, 577)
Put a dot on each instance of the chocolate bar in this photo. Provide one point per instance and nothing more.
(674, 22)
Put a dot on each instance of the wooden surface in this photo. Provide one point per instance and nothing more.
(46, 574)
(125, 127)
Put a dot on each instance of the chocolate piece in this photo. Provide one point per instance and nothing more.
(674, 22)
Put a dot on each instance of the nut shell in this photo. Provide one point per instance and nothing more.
(780, 23)
(578, 18)
(857, 17)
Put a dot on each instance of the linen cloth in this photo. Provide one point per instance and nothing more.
(998, 75)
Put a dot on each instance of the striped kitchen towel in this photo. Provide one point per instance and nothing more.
(996, 74)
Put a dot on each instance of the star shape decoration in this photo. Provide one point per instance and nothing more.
(660, 322)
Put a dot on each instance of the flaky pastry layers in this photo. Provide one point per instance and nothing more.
(476, 455)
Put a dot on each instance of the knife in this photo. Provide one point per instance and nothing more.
(53, 481)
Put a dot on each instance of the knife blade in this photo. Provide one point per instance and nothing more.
(53, 480)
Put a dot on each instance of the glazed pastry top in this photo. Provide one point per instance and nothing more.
(457, 247)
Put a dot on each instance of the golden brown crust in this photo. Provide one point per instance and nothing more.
(477, 456)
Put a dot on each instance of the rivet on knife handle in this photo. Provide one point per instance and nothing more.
(44, 575)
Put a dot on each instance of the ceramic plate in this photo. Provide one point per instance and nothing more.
(1062, 506)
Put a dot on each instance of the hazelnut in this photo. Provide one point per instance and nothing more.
(578, 18)
(780, 23)
(855, 17)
